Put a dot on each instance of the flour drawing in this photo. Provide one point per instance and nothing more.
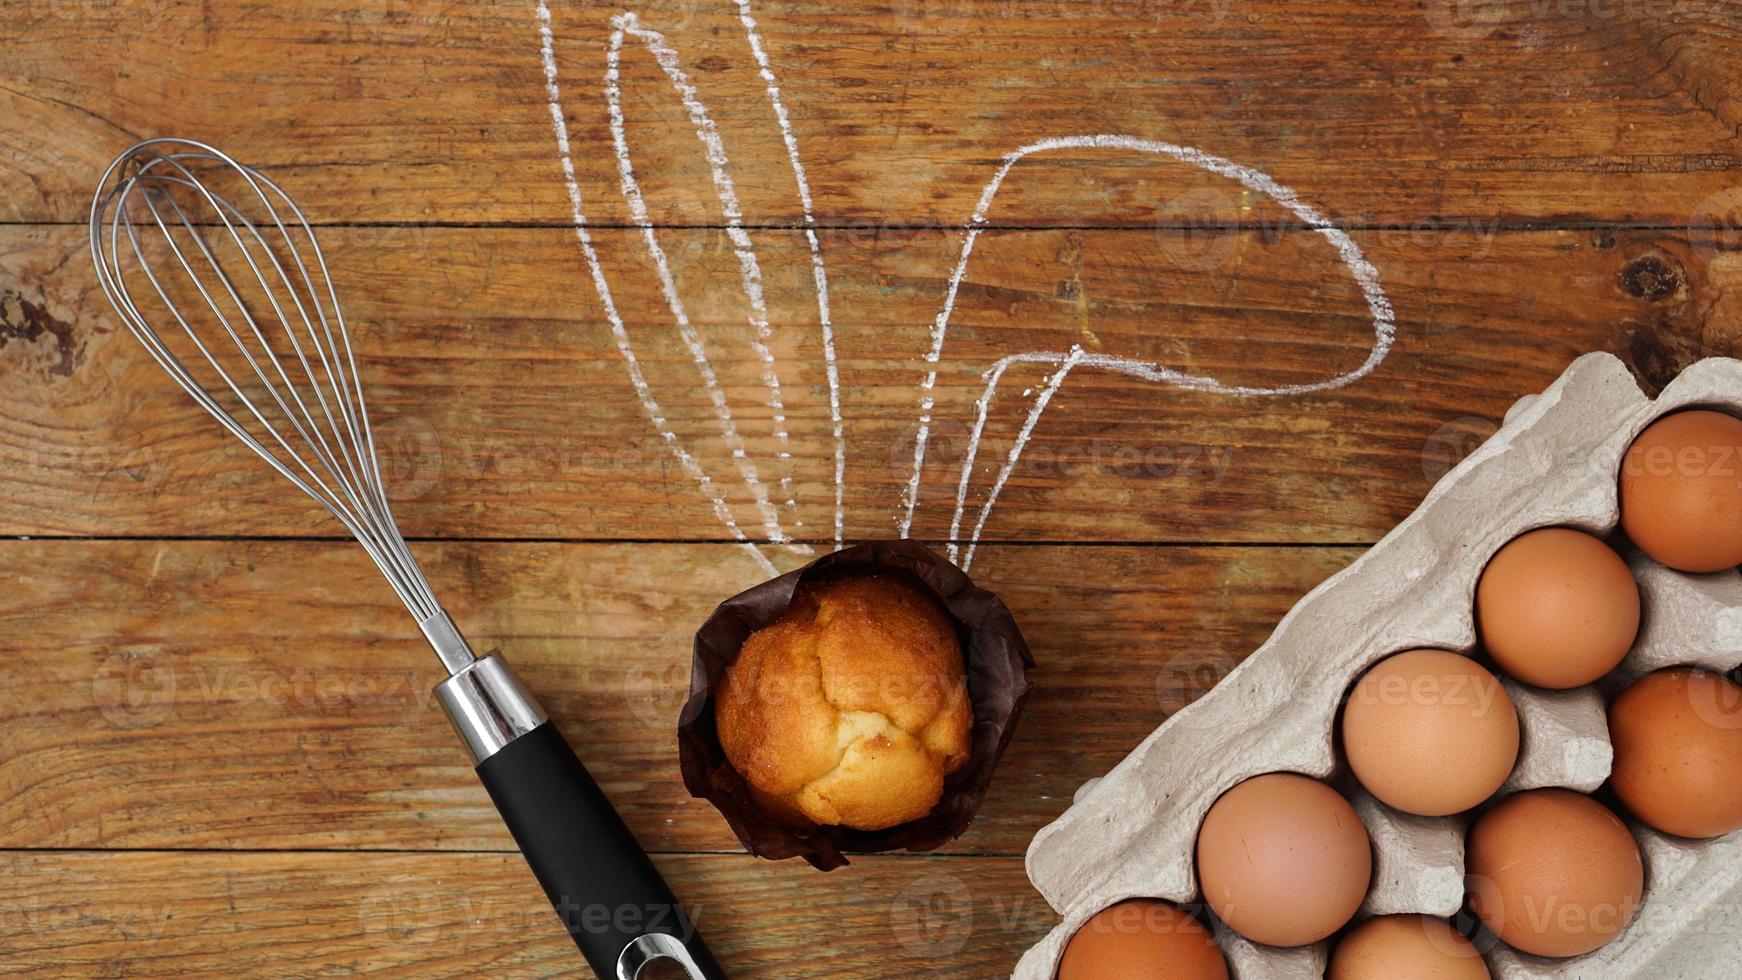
(750, 271)
(620, 333)
(1364, 273)
(819, 273)
(1064, 363)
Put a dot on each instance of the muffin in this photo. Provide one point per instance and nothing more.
(851, 709)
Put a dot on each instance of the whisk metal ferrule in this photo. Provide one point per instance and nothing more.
(488, 706)
(455, 653)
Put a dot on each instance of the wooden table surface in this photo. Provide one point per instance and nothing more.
(219, 754)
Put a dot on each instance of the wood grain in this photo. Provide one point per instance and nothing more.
(493, 378)
(273, 695)
(221, 755)
(182, 914)
(1389, 113)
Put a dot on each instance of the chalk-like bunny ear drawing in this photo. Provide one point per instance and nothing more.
(627, 26)
(1363, 272)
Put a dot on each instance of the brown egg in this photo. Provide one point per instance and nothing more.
(1406, 947)
(1681, 491)
(1142, 939)
(1557, 608)
(1430, 732)
(1284, 860)
(1553, 872)
(1678, 752)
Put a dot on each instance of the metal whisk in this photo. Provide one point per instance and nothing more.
(218, 273)
(307, 417)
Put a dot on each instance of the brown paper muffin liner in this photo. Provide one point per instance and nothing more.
(997, 661)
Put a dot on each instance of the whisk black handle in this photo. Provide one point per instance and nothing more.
(604, 888)
(602, 884)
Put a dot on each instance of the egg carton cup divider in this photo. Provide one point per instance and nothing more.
(1554, 462)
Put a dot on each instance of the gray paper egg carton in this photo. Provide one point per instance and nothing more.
(1555, 461)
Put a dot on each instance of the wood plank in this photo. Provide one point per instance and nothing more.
(222, 757)
(504, 408)
(1391, 112)
(179, 914)
(272, 695)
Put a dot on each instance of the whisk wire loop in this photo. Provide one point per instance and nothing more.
(289, 372)
(307, 426)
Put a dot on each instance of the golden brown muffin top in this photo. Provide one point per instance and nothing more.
(852, 707)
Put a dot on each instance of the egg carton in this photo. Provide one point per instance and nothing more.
(1554, 461)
